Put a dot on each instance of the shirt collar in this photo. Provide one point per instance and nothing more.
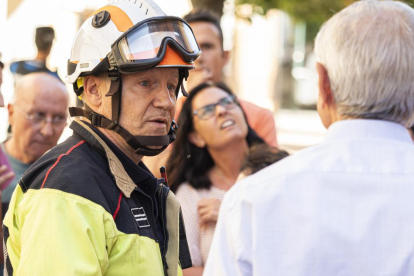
(371, 129)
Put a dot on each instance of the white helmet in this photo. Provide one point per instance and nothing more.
(131, 33)
(129, 36)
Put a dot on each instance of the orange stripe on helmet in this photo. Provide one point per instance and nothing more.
(171, 58)
(118, 16)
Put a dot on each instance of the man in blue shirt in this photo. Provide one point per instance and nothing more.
(44, 41)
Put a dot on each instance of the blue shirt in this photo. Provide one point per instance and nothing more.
(19, 169)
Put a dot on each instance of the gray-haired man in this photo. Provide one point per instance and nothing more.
(344, 207)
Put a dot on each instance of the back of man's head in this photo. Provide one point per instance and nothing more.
(44, 38)
(207, 16)
(367, 50)
(37, 115)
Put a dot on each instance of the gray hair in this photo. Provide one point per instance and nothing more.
(368, 52)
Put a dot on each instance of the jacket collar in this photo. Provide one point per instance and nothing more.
(122, 179)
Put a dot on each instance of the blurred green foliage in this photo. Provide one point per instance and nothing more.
(313, 12)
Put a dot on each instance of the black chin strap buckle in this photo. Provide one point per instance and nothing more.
(173, 131)
(174, 126)
(183, 76)
(114, 126)
(96, 119)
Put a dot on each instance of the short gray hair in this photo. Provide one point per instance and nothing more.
(368, 52)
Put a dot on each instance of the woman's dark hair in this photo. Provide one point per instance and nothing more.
(188, 163)
(260, 156)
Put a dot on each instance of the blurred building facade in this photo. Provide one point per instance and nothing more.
(271, 64)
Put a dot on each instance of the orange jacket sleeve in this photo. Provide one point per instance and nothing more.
(262, 121)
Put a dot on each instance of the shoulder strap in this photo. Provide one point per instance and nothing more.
(184, 251)
(122, 179)
(177, 243)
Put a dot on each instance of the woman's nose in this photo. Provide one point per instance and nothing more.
(220, 110)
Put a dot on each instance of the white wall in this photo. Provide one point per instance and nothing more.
(18, 31)
(256, 57)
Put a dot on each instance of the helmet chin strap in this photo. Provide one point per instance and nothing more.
(140, 144)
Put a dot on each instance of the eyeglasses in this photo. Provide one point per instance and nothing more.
(40, 118)
(207, 112)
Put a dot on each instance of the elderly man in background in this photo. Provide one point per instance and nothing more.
(6, 172)
(344, 207)
(38, 115)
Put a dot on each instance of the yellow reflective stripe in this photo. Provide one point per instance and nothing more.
(131, 254)
(66, 234)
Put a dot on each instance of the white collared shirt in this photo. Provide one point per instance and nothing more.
(344, 207)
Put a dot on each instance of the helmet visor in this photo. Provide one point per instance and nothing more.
(146, 41)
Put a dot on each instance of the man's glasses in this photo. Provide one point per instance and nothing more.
(39, 118)
(208, 111)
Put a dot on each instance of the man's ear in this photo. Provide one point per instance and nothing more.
(196, 139)
(226, 57)
(324, 84)
(91, 93)
(10, 110)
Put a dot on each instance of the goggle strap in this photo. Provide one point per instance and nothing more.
(114, 88)
(185, 94)
(183, 76)
(115, 91)
(116, 102)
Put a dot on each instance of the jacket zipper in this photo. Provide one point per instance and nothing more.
(164, 226)
(154, 229)
(165, 245)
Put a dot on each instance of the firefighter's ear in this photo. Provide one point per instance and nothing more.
(196, 139)
(92, 95)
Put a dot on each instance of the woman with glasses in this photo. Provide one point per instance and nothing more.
(213, 140)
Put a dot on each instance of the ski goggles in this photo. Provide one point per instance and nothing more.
(146, 44)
